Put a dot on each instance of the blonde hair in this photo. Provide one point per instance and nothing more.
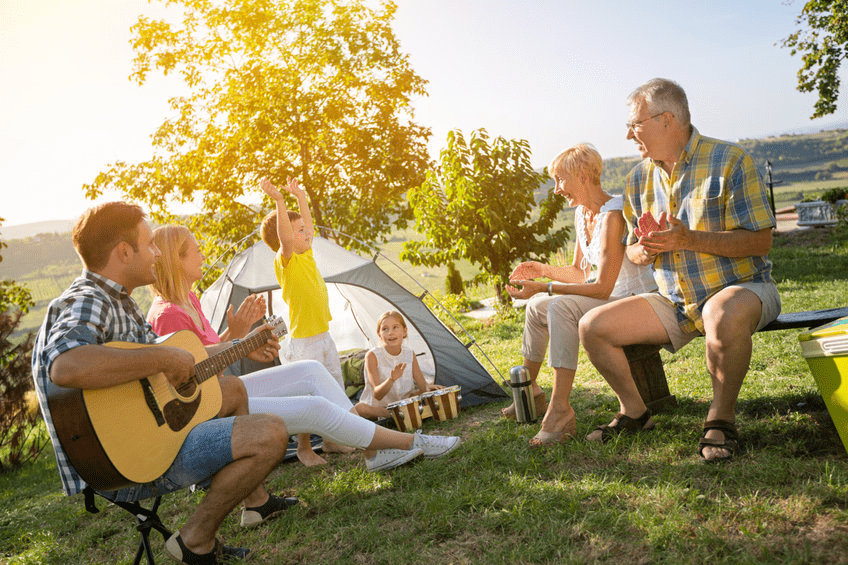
(581, 158)
(391, 314)
(171, 281)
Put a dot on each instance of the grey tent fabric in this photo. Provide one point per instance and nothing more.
(359, 291)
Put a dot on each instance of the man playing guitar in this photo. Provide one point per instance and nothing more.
(234, 449)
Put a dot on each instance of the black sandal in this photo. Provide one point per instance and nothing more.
(730, 442)
(622, 424)
(221, 553)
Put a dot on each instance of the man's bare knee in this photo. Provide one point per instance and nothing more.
(234, 396)
(259, 434)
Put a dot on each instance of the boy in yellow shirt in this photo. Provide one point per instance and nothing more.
(290, 234)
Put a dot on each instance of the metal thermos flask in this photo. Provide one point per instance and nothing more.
(522, 394)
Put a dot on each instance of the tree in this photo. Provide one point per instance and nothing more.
(18, 414)
(478, 205)
(314, 89)
(823, 45)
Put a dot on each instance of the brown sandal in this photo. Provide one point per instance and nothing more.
(730, 442)
(622, 424)
(543, 438)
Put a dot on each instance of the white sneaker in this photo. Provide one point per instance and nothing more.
(391, 458)
(435, 446)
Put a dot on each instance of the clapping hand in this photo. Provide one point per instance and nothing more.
(674, 237)
(527, 270)
(647, 224)
(527, 288)
(397, 372)
(249, 312)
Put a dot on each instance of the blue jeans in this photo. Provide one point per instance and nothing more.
(206, 450)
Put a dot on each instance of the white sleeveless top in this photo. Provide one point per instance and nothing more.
(632, 278)
(386, 362)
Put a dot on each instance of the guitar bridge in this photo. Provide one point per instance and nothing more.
(150, 400)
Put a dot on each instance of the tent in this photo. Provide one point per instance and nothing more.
(359, 291)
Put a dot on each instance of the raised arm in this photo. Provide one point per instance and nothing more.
(303, 206)
(285, 233)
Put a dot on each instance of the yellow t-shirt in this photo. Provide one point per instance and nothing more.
(305, 293)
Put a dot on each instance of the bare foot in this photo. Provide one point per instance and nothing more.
(309, 458)
(330, 447)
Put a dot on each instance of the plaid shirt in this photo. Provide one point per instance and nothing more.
(92, 311)
(715, 186)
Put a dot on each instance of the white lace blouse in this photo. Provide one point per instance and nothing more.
(632, 278)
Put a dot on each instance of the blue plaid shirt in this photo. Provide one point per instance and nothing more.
(92, 311)
(714, 186)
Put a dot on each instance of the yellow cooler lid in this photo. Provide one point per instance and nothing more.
(827, 340)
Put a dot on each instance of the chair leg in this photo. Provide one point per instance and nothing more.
(147, 519)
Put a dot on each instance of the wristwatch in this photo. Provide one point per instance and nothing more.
(550, 289)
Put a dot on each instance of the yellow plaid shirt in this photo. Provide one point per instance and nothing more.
(715, 186)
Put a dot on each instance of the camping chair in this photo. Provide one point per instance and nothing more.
(146, 519)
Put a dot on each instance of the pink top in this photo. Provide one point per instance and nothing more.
(166, 318)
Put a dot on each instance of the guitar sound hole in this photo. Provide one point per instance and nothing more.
(187, 388)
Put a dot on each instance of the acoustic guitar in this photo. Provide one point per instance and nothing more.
(130, 433)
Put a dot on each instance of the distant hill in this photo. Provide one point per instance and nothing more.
(24, 231)
(794, 158)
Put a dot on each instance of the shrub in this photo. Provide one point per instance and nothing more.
(453, 282)
(833, 194)
(19, 414)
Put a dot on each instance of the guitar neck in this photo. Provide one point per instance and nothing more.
(212, 366)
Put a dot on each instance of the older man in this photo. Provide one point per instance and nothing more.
(697, 209)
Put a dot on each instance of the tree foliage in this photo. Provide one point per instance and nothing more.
(479, 205)
(18, 413)
(823, 45)
(313, 89)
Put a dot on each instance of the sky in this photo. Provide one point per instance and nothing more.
(552, 72)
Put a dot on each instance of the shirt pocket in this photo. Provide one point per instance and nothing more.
(705, 214)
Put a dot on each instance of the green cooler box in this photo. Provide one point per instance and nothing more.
(826, 350)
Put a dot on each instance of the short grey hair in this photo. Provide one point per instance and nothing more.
(663, 95)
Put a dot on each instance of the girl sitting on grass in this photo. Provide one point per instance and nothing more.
(392, 370)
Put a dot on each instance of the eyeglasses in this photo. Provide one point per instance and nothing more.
(637, 125)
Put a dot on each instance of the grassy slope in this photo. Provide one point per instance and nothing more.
(636, 500)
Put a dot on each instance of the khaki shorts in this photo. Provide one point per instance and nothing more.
(665, 311)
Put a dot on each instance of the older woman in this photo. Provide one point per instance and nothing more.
(599, 273)
(303, 394)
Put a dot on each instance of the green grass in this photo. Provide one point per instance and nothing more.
(646, 499)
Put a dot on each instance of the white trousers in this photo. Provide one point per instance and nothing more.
(308, 400)
(555, 318)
